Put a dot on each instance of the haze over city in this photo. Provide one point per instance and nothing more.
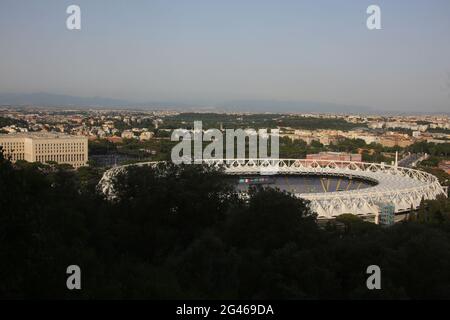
(264, 55)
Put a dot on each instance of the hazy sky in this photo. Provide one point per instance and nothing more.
(214, 51)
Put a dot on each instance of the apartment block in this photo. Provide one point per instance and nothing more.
(334, 156)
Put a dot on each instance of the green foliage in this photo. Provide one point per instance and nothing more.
(433, 149)
(216, 120)
(255, 121)
(136, 150)
(182, 232)
(318, 123)
(439, 130)
(354, 224)
(443, 177)
(435, 212)
(255, 226)
(10, 121)
(101, 146)
(348, 145)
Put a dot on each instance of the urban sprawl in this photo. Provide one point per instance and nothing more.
(118, 136)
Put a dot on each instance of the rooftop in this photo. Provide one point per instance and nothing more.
(40, 135)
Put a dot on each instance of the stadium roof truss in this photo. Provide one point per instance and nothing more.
(404, 188)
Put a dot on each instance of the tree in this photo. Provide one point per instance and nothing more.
(184, 232)
(270, 219)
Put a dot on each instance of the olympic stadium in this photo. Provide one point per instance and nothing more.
(331, 187)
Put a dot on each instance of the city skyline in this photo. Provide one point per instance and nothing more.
(212, 54)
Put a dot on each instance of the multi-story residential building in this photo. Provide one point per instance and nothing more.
(335, 156)
(330, 139)
(395, 140)
(46, 147)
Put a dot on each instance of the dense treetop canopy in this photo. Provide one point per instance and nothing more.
(182, 232)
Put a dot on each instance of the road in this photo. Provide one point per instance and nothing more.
(411, 160)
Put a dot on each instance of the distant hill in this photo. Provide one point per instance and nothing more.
(47, 99)
(60, 100)
(273, 106)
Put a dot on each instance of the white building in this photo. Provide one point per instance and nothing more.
(46, 147)
(127, 134)
(146, 135)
